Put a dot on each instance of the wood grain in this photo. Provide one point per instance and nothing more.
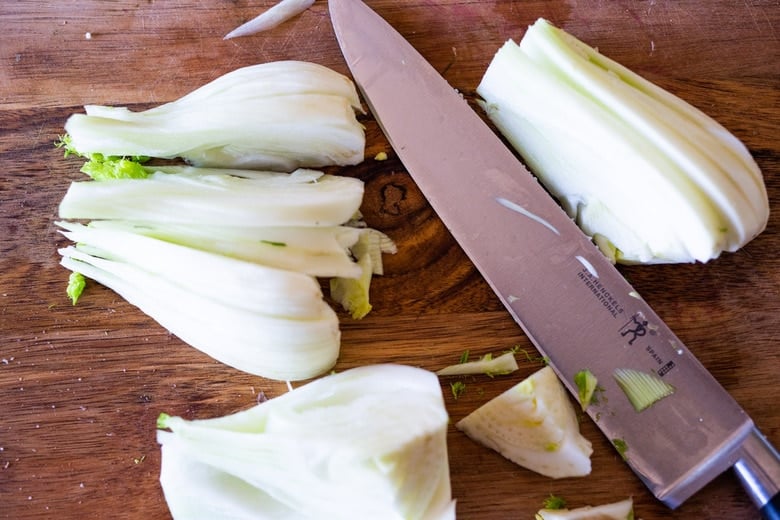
(81, 387)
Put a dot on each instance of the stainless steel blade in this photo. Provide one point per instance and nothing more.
(571, 302)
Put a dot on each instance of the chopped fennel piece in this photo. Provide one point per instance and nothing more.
(643, 389)
(487, 364)
(219, 197)
(586, 386)
(457, 388)
(622, 447)
(651, 178)
(353, 292)
(623, 510)
(76, 284)
(369, 442)
(554, 502)
(274, 16)
(534, 425)
(275, 116)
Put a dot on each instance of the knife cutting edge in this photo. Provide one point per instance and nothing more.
(570, 301)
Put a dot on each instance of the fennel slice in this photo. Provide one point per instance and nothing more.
(623, 510)
(642, 388)
(586, 386)
(487, 364)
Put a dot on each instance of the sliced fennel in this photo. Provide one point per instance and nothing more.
(353, 292)
(643, 389)
(651, 178)
(277, 332)
(217, 277)
(623, 510)
(534, 425)
(369, 442)
(586, 387)
(318, 251)
(279, 115)
(487, 364)
(219, 197)
(275, 15)
(226, 259)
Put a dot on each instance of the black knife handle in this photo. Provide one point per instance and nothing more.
(771, 510)
(758, 468)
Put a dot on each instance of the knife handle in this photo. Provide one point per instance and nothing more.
(758, 468)
(771, 510)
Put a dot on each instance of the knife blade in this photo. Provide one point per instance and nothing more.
(570, 301)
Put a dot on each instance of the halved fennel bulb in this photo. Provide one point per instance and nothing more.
(534, 425)
(651, 178)
(369, 442)
(277, 116)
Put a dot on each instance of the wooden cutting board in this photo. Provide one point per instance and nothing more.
(81, 387)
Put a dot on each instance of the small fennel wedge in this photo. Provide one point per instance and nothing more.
(651, 178)
(534, 425)
(369, 442)
(273, 116)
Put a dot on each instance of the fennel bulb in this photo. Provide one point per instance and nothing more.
(651, 178)
(533, 424)
(369, 442)
(623, 510)
(275, 116)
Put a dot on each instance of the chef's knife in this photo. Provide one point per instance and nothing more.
(569, 299)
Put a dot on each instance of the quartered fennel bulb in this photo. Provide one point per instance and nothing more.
(365, 443)
(623, 510)
(534, 425)
(275, 116)
(651, 178)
